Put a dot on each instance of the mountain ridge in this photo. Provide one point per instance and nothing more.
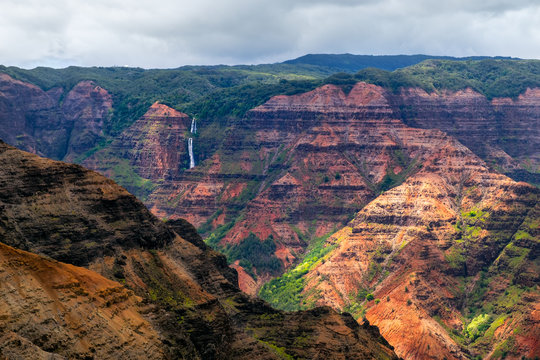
(283, 164)
(353, 63)
(163, 297)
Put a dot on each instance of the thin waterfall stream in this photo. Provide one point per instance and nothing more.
(190, 144)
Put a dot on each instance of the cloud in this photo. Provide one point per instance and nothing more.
(171, 33)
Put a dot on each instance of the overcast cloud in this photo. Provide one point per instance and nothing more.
(172, 33)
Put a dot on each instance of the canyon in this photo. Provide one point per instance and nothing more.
(147, 289)
(389, 204)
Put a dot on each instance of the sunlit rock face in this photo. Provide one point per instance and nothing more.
(148, 289)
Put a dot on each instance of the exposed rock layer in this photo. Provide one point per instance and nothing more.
(503, 131)
(423, 246)
(68, 311)
(53, 123)
(191, 306)
(155, 145)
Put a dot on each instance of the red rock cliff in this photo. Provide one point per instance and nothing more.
(36, 120)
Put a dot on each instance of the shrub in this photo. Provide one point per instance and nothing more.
(258, 253)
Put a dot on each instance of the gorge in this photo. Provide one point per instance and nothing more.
(412, 208)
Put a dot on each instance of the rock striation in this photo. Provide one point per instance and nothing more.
(445, 243)
(154, 290)
(54, 310)
(155, 145)
(53, 123)
(152, 150)
(502, 131)
(427, 249)
(304, 163)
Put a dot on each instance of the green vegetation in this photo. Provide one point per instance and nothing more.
(279, 351)
(211, 92)
(135, 89)
(125, 175)
(455, 257)
(477, 326)
(236, 101)
(390, 180)
(285, 292)
(256, 253)
(352, 63)
(490, 77)
(219, 233)
(220, 96)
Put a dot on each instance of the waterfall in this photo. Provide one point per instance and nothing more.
(190, 143)
(190, 151)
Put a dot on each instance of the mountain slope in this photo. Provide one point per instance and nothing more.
(49, 308)
(189, 294)
(152, 149)
(56, 123)
(353, 63)
(440, 238)
(427, 250)
(305, 163)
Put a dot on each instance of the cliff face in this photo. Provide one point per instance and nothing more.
(54, 310)
(154, 148)
(305, 163)
(68, 212)
(502, 131)
(178, 298)
(447, 245)
(427, 250)
(86, 108)
(53, 123)
(30, 117)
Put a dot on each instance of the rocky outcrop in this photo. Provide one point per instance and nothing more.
(53, 310)
(53, 123)
(447, 241)
(178, 296)
(69, 213)
(155, 146)
(422, 248)
(86, 107)
(30, 118)
(502, 131)
(305, 163)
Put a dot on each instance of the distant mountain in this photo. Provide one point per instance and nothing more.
(352, 63)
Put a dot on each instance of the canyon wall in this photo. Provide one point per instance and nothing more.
(153, 290)
(445, 245)
(53, 123)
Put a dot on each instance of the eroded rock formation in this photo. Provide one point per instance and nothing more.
(153, 290)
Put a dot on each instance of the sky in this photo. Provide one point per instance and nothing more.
(173, 33)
